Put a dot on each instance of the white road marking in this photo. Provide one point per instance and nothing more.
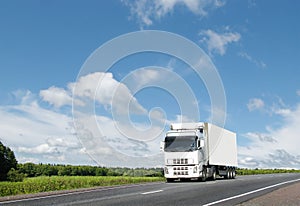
(151, 192)
(251, 192)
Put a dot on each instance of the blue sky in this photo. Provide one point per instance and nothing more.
(254, 46)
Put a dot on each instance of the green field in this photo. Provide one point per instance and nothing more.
(54, 183)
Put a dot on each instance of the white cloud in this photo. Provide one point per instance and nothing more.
(298, 92)
(261, 137)
(45, 135)
(277, 148)
(62, 142)
(40, 149)
(146, 11)
(107, 91)
(181, 119)
(113, 143)
(30, 123)
(28, 160)
(147, 75)
(282, 111)
(217, 42)
(39, 135)
(56, 96)
(255, 104)
(98, 86)
(25, 97)
(258, 63)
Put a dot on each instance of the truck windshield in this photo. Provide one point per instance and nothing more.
(180, 143)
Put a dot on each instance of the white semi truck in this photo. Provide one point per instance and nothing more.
(199, 151)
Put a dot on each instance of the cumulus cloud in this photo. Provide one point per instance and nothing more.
(218, 42)
(277, 148)
(100, 87)
(107, 91)
(146, 11)
(40, 149)
(147, 75)
(62, 142)
(255, 104)
(56, 96)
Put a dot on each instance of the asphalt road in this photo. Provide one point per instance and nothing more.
(219, 192)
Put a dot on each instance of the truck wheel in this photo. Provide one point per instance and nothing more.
(227, 176)
(170, 180)
(233, 174)
(214, 174)
(204, 176)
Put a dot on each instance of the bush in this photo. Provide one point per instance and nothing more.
(15, 176)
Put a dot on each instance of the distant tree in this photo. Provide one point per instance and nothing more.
(29, 169)
(7, 161)
(15, 176)
(101, 171)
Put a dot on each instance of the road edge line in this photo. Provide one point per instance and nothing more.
(251, 192)
(151, 192)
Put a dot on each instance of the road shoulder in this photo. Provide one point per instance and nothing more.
(289, 195)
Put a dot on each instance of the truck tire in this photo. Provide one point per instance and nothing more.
(169, 180)
(227, 176)
(204, 176)
(214, 174)
(233, 174)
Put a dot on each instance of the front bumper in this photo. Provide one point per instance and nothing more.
(175, 172)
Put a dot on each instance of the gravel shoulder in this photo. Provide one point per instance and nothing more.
(289, 195)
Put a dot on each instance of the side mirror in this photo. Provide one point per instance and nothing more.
(200, 143)
(162, 146)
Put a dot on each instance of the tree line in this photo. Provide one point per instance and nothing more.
(35, 170)
(11, 170)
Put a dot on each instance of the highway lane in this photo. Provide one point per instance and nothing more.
(219, 192)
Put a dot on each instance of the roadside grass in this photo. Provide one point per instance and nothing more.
(241, 171)
(55, 183)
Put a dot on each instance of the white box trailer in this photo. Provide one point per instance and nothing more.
(199, 150)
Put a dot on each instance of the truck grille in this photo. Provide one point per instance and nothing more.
(180, 161)
(181, 170)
